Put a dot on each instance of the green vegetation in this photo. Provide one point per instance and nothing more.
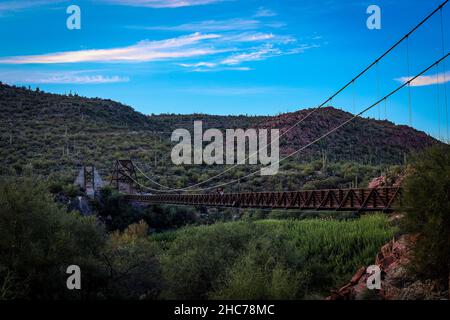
(130, 261)
(426, 202)
(53, 135)
(269, 259)
(166, 252)
(39, 239)
(118, 214)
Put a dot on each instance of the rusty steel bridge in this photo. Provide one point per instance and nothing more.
(386, 199)
(380, 199)
(124, 178)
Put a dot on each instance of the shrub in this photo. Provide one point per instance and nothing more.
(199, 256)
(71, 190)
(264, 272)
(163, 217)
(39, 240)
(426, 202)
(268, 259)
(131, 263)
(115, 211)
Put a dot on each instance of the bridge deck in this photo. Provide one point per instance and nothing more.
(380, 199)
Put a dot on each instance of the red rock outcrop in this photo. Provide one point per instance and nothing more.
(396, 282)
(392, 260)
(363, 139)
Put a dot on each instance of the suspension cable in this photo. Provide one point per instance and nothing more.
(406, 83)
(323, 103)
(149, 179)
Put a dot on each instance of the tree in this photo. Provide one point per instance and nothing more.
(131, 263)
(115, 211)
(39, 240)
(426, 202)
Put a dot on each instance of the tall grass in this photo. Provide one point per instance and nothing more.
(343, 244)
(268, 259)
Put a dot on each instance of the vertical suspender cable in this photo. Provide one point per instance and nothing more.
(385, 109)
(354, 98)
(445, 76)
(409, 84)
(334, 95)
(438, 104)
(378, 89)
(353, 124)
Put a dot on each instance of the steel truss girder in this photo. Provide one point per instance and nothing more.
(379, 199)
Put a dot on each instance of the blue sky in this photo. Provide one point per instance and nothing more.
(227, 56)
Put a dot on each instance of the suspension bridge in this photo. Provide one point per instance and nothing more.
(125, 173)
(364, 200)
(124, 179)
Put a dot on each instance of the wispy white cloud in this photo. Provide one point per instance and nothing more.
(216, 45)
(422, 81)
(6, 6)
(250, 37)
(220, 52)
(235, 24)
(222, 69)
(254, 37)
(258, 54)
(76, 79)
(265, 12)
(246, 40)
(163, 3)
(211, 67)
(233, 61)
(212, 25)
(262, 53)
(236, 30)
(180, 47)
(60, 77)
(198, 65)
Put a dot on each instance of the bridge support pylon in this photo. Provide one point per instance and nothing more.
(124, 177)
(89, 179)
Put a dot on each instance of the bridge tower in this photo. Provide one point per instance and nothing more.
(89, 179)
(124, 177)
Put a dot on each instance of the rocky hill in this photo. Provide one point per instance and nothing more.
(364, 140)
(51, 133)
(54, 134)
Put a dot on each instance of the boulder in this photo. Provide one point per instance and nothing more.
(397, 283)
